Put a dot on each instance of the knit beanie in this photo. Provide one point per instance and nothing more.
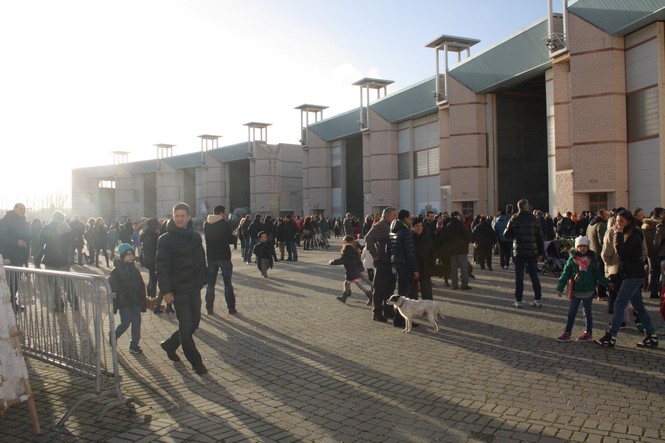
(124, 249)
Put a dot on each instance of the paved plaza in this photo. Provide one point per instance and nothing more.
(298, 365)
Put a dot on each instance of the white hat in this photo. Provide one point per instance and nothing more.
(582, 241)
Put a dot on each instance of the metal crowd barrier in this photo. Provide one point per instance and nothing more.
(65, 322)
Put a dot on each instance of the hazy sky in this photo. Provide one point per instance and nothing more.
(79, 79)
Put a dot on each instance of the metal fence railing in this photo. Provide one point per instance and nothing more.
(66, 322)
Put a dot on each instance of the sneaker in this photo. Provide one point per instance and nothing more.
(586, 337)
(233, 311)
(517, 304)
(607, 340)
(170, 354)
(537, 304)
(649, 341)
(136, 350)
(564, 338)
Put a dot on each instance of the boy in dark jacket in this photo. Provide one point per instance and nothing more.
(355, 271)
(129, 289)
(264, 252)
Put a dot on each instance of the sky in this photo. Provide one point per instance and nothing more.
(80, 79)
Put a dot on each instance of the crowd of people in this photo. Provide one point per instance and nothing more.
(615, 255)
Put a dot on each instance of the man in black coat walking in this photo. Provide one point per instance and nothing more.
(218, 238)
(528, 245)
(181, 274)
(15, 243)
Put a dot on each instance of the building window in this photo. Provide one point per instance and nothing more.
(403, 165)
(597, 201)
(468, 209)
(642, 114)
(106, 183)
(337, 176)
(426, 162)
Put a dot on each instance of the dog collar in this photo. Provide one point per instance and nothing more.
(403, 300)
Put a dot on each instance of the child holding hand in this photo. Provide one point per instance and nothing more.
(355, 271)
(583, 272)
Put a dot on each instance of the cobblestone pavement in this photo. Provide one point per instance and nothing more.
(298, 365)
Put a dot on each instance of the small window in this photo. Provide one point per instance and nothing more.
(468, 209)
(403, 165)
(336, 176)
(642, 114)
(107, 184)
(597, 201)
(426, 162)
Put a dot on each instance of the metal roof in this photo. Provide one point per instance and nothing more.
(95, 172)
(518, 58)
(409, 103)
(339, 126)
(230, 153)
(140, 167)
(619, 17)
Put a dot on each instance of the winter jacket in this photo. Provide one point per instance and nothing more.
(218, 238)
(456, 238)
(254, 228)
(483, 235)
(628, 245)
(263, 250)
(584, 270)
(500, 224)
(596, 233)
(566, 227)
(180, 264)
(659, 239)
(14, 227)
(149, 240)
(290, 230)
(350, 258)
(649, 231)
(78, 231)
(527, 236)
(55, 243)
(127, 285)
(424, 253)
(400, 246)
(376, 241)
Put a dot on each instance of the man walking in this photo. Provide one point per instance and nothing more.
(376, 242)
(181, 274)
(456, 238)
(15, 243)
(528, 245)
(402, 258)
(218, 238)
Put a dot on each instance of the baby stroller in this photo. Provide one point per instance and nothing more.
(555, 258)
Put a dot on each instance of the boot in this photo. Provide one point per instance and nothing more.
(344, 296)
(169, 308)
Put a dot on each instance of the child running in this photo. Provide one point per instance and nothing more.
(355, 272)
(264, 251)
(129, 288)
(583, 272)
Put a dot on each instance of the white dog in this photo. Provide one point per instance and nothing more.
(410, 308)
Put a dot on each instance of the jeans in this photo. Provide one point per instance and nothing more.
(461, 262)
(130, 315)
(630, 291)
(227, 271)
(572, 313)
(291, 250)
(188, 313)
(531, 264)
(250, 248)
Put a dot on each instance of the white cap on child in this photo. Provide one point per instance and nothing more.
(582, 241)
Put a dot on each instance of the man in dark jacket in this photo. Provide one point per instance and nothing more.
(528, 246)
(55, 242)
(500, 224)
(181, 274)
(218, 238)
(148, 239)
(15, 242)
(376, 242)
(402, 258)
(456, 238)
(290, 233)
(425, 257)
(78, 231)
(253, 237)
(566, 226)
